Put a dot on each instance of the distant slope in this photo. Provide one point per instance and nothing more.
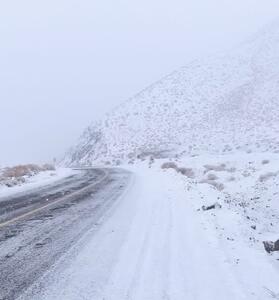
(219, 104)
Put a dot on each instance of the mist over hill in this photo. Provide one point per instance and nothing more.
(220, 104)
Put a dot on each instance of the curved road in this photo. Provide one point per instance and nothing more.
(39, 226)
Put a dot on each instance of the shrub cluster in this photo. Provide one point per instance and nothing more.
(26, 170)
(217, 168)
(184, 171)
(267, 176)
(169, 165)
(219, 186)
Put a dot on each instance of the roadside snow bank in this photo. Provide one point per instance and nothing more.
(249, 198)
(40, 179)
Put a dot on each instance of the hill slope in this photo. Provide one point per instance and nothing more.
(220, 104)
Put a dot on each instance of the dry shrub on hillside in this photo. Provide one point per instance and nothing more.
(186, 172)
(216, 168)
(212, 176)
(267, 176)
(169, 165)
(19, 171)
(26, 170)
(246, 173)
(219, 186)
(230, 179)
(231, 170)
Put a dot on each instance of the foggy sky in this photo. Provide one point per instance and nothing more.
(64, 63)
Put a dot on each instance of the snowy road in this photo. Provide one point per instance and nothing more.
(139, 237)
(153, 246)
(39, 226)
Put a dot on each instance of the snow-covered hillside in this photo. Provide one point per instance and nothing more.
(220, 104)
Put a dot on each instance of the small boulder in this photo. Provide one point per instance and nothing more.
(216, 205)
(271, 246)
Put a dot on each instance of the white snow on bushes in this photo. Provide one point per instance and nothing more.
(34, 181)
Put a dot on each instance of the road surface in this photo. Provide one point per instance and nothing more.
(39, 226)
(123, 237)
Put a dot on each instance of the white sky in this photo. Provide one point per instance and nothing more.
(64, 63)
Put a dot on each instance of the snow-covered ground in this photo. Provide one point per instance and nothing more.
(157, 242)
(221, 104)
(38, 180)
(217, 119)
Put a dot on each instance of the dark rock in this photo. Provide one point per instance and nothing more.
(213, 206)
(271, 246)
